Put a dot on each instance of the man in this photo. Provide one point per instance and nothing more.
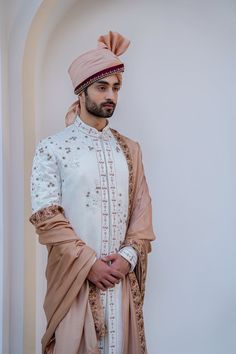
(92, 209)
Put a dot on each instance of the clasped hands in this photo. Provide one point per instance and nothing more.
(108, 271)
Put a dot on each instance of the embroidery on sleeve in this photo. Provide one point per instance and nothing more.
(45, 213)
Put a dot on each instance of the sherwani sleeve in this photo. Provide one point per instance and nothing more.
(131, 255)
(45, 178)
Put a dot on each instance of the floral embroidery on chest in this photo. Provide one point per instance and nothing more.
(71, 150)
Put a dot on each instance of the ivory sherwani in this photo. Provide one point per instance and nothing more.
(85, 172)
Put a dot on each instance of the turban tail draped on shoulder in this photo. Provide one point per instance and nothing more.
(71, 300)
(96, 64)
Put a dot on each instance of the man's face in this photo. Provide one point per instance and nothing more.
(101, 97)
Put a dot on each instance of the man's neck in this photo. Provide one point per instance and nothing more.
(97, 123)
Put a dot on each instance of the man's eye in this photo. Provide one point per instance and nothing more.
(101, 87)
(116, 88)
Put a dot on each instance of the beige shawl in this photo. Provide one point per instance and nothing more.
(69, 262)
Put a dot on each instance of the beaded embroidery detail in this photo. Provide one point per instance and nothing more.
(138, 310)
(138, 290)
(45, 213)
(127, 154)
(97, 310)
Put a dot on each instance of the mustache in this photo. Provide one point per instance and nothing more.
(111, 103)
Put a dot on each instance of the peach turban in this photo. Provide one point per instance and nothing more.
(96, 64)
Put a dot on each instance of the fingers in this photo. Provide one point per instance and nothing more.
(110, 257)
(100, 286)
(116, 273)
(108, 284)
(113, 280)
(104, 284)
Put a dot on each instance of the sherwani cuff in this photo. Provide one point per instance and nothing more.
(130, 254)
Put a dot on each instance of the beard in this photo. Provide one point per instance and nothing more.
(99, 110)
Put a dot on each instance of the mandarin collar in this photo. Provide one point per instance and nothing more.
(87, 129)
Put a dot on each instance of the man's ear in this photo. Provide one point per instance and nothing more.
(81, 96)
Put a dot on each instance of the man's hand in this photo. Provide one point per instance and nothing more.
(104, 276)
(118, 263)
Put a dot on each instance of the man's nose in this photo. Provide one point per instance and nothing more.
(110, 94)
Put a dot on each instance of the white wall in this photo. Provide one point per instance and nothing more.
(178, 101)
